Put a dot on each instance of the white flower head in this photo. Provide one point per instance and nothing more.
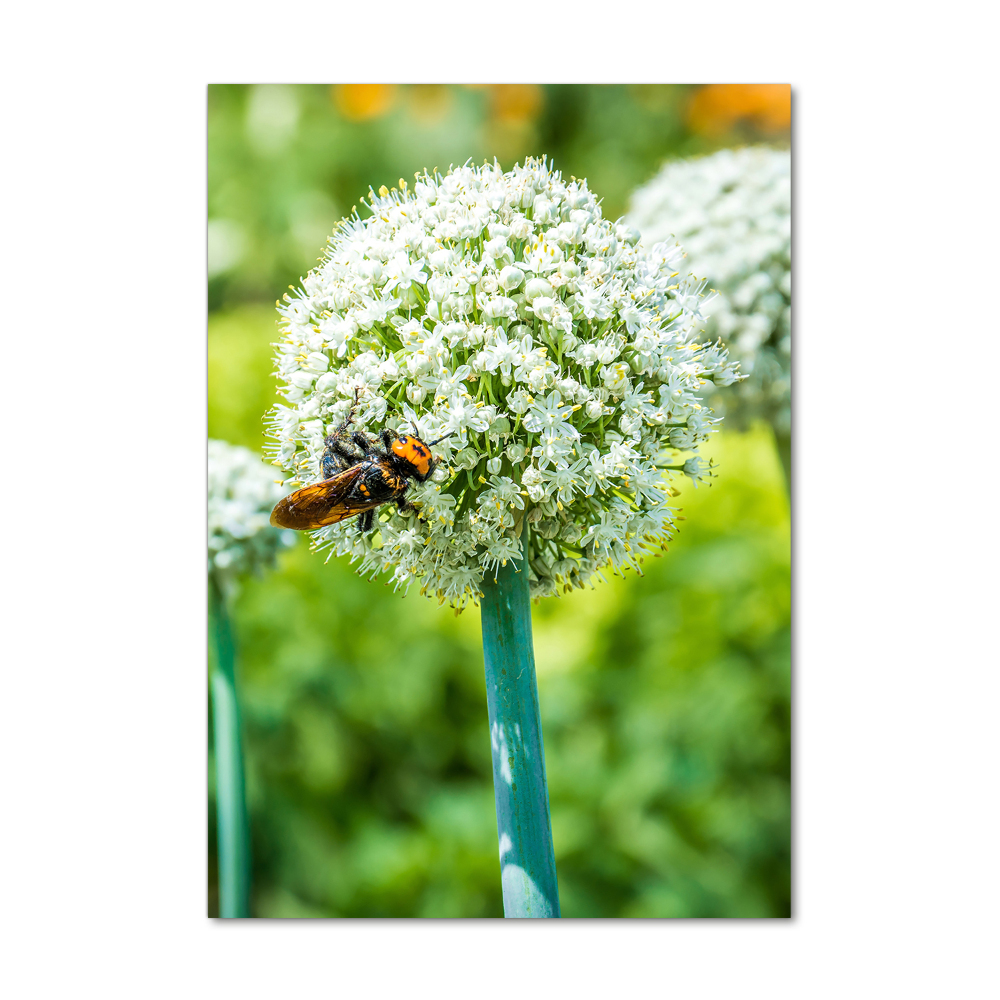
(732, 212)
(501, 309)
(241, 494)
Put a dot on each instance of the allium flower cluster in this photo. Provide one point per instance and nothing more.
(565, 363)
(732, 212)
(241, 493)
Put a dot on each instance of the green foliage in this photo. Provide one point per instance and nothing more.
(240, 387)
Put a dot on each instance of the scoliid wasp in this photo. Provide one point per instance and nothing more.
(361, 472)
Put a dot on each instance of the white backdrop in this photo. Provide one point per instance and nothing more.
(895, 671)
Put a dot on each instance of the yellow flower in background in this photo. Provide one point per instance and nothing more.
(512, 110)
(717, 107)
(362, 101)
(515, 102)
(429, 103)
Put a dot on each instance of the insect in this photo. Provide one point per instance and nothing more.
(360, 476)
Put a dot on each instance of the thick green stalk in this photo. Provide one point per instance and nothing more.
(527, 863)
(233, 828)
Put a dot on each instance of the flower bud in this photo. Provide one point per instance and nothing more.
(537, 287)
(317, 362)
(442, 259)
(340, 299)
(458, 305)
(493, 466)
(498, 308)
(495, 247)
(569, 232)
(415, 393)
(521, 227)
(389, 369)
(328, 381)
(541, 209)
(569, 387)
(511, 277)
(439, 287)
(544, 307)
(571, 533)
(488, 284)
(455, 333)
(632, 236)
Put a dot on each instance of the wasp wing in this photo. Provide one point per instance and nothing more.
(323, 503)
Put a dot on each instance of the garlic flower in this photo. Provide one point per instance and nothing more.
(241, 493)
(732, 212)
(565, 363)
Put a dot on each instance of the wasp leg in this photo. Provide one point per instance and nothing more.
(365, 521)
(362, 441)
(338, 455)
(387, 440)
(342, 429)
(405, 507)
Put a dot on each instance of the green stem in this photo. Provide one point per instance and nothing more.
(527, 862)
(233, 829)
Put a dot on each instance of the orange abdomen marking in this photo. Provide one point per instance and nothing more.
(415, 452)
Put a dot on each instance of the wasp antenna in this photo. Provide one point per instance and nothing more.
(431, 444)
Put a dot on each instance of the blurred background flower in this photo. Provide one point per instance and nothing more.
(241, 542)
(241, 493)
(665, 706)
(721, 108)
(732, 213)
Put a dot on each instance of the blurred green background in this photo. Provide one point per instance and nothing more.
(664, 698)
